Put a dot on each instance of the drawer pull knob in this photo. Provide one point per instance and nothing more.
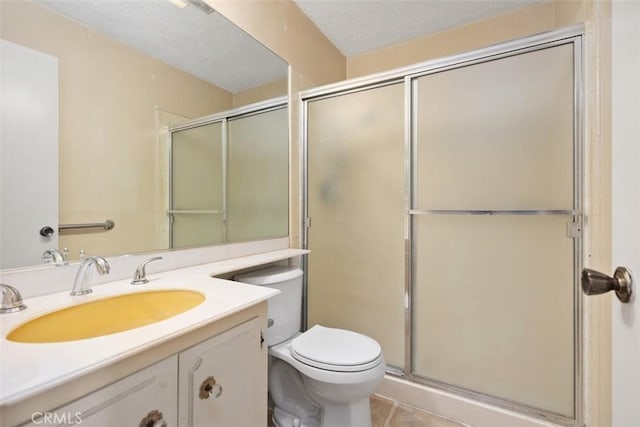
(153, 419)
(209, 388)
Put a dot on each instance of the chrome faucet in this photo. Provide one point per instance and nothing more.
(80, 285)
(140, 276)
(53, 256)
(11, 299)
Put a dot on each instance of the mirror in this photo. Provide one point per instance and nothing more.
(244, 196)
(129, 74)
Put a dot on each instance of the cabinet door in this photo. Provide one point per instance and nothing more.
(124, 403)
(223, 381)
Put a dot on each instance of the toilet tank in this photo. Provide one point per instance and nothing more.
(285, 309)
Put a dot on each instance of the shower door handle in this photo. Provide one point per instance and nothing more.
(596, 283)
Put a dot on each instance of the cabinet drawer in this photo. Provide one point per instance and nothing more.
(123, 403)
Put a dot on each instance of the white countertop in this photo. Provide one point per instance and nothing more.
(28, 369)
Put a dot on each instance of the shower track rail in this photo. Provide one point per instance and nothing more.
(492, 212)
(195, 211)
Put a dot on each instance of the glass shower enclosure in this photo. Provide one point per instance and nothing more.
(445, 204)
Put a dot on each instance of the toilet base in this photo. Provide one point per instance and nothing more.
(357, 414)
(353, 415)
(297, 406)
(282, 418)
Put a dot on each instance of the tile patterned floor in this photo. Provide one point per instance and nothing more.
(387, 413)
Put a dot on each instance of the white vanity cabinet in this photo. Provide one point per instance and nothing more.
(220, 380)
(215, 375)
(149, 393)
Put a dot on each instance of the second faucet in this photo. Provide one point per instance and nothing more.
(140, 276)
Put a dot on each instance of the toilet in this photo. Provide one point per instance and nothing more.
(319, 378)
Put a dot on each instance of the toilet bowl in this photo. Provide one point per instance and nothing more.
(339, 370)
(319, 378)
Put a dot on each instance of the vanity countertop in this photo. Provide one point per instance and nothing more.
(27, 369)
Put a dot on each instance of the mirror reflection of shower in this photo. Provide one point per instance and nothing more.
(228, 177)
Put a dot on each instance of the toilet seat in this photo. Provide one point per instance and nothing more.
(336, 350)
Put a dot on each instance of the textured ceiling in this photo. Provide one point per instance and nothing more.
(213, 49)
(359, 26)
(207, 46)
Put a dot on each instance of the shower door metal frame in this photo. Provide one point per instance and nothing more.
(223, 118)
(571, 35)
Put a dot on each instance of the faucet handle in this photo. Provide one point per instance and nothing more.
(11, 299)
(140, 276)
(53, 256)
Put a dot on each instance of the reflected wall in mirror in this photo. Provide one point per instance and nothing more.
(128, 72)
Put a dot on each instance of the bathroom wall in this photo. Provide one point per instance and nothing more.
(597, 318)
(531, 20)
(96, 73)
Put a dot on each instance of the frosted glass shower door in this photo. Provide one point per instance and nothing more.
(197, 186)
(356, 202)
(494, 197)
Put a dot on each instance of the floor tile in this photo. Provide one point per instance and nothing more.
(388, 413)
(380, 410)
(407, 416)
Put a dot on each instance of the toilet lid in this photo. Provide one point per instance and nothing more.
(336, 349)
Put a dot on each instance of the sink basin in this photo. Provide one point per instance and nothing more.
(106, 316)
